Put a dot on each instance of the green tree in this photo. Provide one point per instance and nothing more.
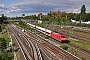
(58, 19)
(50, 14)
(64, 47)
(77, 17)
(71, 16)
(6, 56)
(64, 14)
(0, 28)
(3, 44)
(54, 15)
(2, 18)
(83, 9)
(88, 16)
(84, 17)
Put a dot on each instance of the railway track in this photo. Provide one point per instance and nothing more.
(26, 47)
(43, 43)
(70, 47)
(22, 48)
(81, 39)
(56, 53)
(79, 51)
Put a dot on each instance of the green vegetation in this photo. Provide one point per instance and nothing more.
(87, 36)
(5, 32)
(82, 45)
(23, 25)
(4, 44)
(4, 53)
(46, 37)
(83, 10)
(2, 18)
(6, 56)
(82, 58)
(74, 53)
(64, 47)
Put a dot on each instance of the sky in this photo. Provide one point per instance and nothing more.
(12, 8)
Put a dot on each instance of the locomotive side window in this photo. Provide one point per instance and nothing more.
(62, 36)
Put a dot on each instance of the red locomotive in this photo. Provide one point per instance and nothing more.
(58, 36)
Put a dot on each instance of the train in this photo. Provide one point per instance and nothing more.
(56, 35)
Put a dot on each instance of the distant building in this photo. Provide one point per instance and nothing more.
(37, 14)
(59, 13)
(1, 15)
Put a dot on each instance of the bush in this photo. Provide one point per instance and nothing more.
(64, 47)
(83, 58)
(74, 53)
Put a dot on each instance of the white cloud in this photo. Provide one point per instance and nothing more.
(73, 10)
(13, 11)
(34, 6)
(2, 6)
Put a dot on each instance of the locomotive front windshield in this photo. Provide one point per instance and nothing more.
(62, 36)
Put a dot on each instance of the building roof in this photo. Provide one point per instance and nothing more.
(59, 13)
